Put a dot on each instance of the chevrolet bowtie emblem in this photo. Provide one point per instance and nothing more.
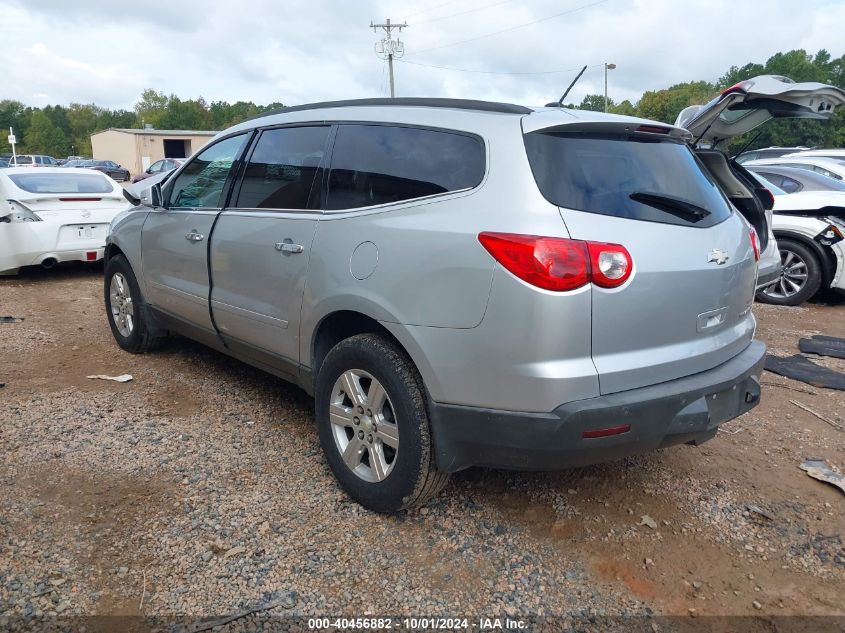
(719, 256)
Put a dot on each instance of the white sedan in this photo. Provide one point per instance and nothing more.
(52, 215)
(810, 231)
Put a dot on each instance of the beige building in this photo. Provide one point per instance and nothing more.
(138, 149)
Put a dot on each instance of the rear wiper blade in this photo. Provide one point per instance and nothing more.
(670, 204)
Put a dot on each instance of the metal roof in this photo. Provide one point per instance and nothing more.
(160, 132)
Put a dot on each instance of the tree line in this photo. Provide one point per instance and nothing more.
(665, 105)
(60, 131)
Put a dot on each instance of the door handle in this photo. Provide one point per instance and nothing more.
(288, 247)
(193, 236)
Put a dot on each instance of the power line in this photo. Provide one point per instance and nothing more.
(454, 15)
(436, 6)
(495, 72)
(513, 28)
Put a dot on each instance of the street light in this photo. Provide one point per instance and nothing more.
(606, 68)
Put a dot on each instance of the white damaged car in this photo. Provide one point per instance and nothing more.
(810, 231)
(52, 215)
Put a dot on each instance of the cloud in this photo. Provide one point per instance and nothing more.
(312, 50)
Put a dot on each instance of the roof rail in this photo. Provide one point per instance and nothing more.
(425, 102)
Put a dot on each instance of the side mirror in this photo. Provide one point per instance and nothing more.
(152, 197)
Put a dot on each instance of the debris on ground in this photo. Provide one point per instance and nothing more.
(818, 469)
(121, 378)
(648, 522)
(823, 346)
(835, 425)
(10, 319)
(758, 510)
(801, 368)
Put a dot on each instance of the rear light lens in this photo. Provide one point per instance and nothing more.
(559, 264)
(755, 244)
(91, 256)
(611, 264)
(653, 129)
(546, 262)
(742, 86)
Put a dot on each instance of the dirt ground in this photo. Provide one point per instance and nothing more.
(739, 528)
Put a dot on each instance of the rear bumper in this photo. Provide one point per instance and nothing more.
(75, 255)
(686, 410)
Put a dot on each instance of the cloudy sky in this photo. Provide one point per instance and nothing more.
(296, 51)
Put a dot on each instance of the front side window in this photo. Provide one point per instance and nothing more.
(201, 183)
(380, 164)
(283, 170)
(625, 175)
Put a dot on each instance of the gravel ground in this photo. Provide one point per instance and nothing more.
(199, 490)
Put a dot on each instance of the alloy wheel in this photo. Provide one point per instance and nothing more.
(364, 425)
(120, 302)
(792, 279)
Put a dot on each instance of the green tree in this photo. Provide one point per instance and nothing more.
(665, 105)
(16, 115)
(45, 137)
(152, 107)
(626, 108)
(595, 103)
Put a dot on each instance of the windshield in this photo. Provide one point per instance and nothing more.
(627, 176)
(61, 183)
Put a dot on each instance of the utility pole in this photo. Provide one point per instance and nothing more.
(606, 68)
(388, 48)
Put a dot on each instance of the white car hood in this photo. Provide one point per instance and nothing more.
(809, 201)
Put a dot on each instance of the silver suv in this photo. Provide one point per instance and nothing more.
(458, 283)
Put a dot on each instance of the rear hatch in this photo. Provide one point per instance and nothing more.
(750, 103)
(686, 307)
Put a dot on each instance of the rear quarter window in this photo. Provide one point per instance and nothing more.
(380, 164)
(599, 173)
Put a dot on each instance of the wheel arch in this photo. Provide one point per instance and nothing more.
(827, 259)
(338, 325)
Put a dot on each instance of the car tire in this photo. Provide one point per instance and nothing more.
(382, 457)
(128, 315)
(800, 279)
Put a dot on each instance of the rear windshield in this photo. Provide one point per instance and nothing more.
(626, 176)
(62, 183)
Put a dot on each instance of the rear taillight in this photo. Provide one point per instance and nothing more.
(550, 263)
(559, 264)
(755, 244)
(742, 86)
(610, 264)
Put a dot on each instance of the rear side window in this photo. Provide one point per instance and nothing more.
(790, 185)
(61, 183)
(626, 176)
(282, 170)
(380, 164)
(24, 160)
